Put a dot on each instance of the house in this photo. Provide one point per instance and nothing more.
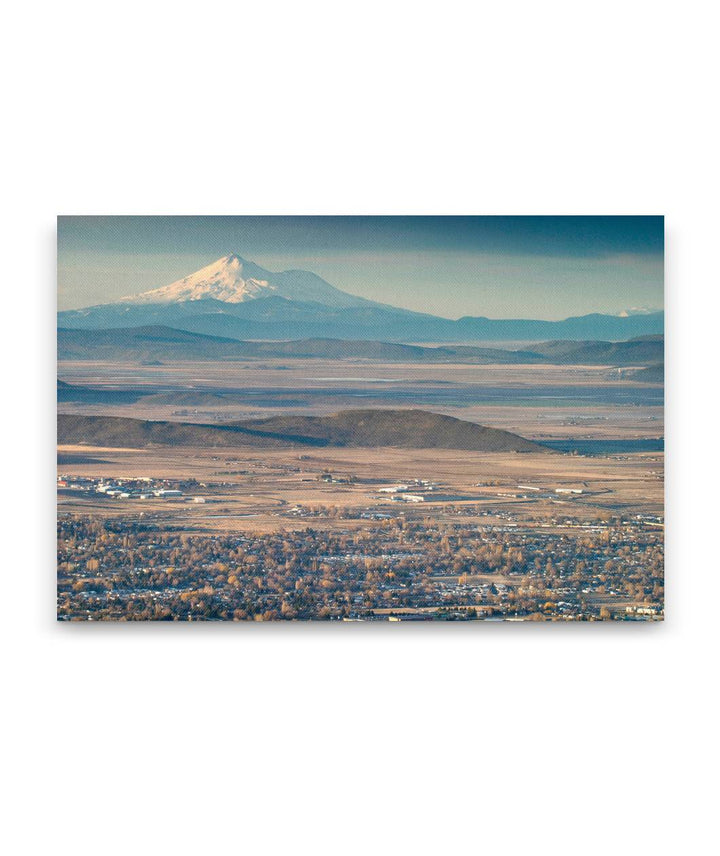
(398, 488)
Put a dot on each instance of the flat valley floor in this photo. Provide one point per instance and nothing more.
(365, 534)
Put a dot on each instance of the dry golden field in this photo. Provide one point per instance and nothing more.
(251, 489)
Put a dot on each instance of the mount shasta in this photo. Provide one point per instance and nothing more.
(236, 298)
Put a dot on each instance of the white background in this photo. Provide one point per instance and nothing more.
(354, 739)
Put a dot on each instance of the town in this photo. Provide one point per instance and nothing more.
(398, 569)
(126, 488)
(350, 535)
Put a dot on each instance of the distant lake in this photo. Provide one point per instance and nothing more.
(359, 379)
(405, 391)
(607, 447)
(463, 395)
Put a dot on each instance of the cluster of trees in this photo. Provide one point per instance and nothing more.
(126, 570)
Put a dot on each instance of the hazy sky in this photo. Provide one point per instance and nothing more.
(500, 267)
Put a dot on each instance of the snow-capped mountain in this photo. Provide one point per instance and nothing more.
(237, 299)
(637, 310)
(233, 279)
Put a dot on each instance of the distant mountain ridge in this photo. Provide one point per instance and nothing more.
(236, 298)
(639, 351)
(145, 344)
(412, 429)
(157, 343)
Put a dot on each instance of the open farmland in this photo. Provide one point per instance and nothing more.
(267, 481)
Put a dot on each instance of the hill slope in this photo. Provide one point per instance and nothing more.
(152, 343)
(157, 343)
(644, 350)
(411, 429)
(651, 374)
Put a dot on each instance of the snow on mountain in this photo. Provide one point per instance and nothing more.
(637, 310)
(233, 279)
(225, 299)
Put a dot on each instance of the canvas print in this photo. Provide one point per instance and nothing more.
(360, 419)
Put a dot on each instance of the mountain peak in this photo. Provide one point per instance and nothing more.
(229, 279)
(233, 279)
(232, 259)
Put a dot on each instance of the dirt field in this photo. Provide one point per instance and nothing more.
(253, 489)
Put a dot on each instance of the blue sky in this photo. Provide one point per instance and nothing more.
(501, 267)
